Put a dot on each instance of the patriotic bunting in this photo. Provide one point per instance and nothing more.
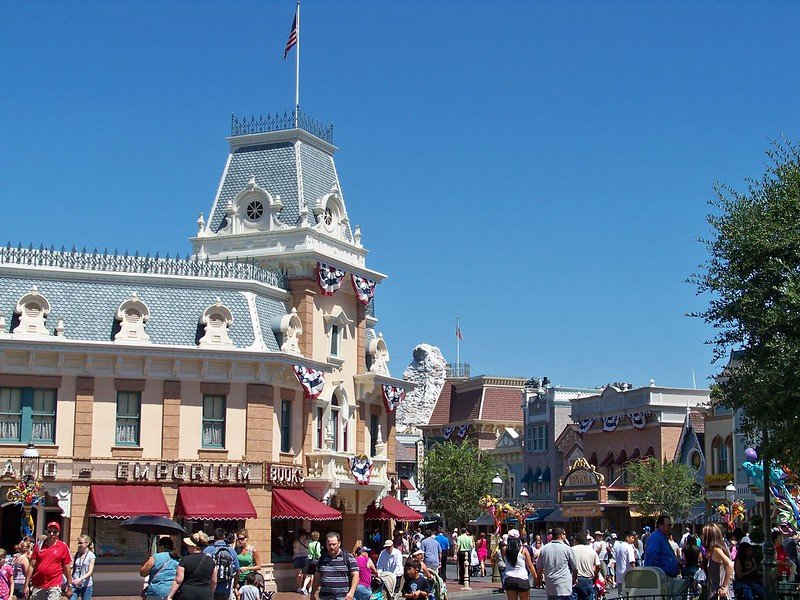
(585, 425)
(463, 430)
(638, 419)
(363, 287)
(312, 380)
(447, 432)
(329, 278)
(392, 396)
(610, 423)
(361, 467)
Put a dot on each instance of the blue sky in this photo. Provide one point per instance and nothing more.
(541, 169)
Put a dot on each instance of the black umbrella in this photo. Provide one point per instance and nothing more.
(152, 525)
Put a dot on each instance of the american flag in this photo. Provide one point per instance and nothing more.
(459, 335)
(292, 36)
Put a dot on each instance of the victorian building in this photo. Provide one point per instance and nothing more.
(547, 418)
(486, 411)
(619, 425)
(244, 386)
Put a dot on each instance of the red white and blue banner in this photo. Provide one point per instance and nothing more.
(364, 288)
(392, 396)
(361, 467)
(610, 423)
(448, 431)
(329, 278)
(585, 425)
(312, 380)
(463, 430)
(638, 419)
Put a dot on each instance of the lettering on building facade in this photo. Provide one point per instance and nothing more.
(180, 471)
(284, 476)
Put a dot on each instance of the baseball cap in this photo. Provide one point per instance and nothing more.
(365, 548)
(54, 525)
(513, 533)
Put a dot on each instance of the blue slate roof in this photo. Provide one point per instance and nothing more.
(274, 166)
(89, 308)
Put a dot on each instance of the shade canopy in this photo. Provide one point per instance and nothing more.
(622, 458)
(392, 508)
(126, 501)
(546, 474)
(538, 475)
(298, 504)
(405, 484)
(209, 503)
(607, 460)
(650, 452)
(635, 454)
(593, 459)
(528, 477)
(540, 514)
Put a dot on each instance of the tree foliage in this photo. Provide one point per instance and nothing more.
(662, 488)
(455, 477)
(752, 276)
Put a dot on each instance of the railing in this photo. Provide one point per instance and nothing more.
(127, 263)
(458, 370)
(281, 122)
(334, 466)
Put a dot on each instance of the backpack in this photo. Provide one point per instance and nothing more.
(223, 562)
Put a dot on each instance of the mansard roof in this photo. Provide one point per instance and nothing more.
(292, 164)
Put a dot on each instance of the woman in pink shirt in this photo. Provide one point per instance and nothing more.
(366, 569)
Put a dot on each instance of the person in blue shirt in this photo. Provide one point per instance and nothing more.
(659, 552)
(444, 542)
(224, 584)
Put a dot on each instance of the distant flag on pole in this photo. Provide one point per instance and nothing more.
(292, 41)
(459, 335)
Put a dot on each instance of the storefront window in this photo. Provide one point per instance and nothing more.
(27, 415)
(114, 545)
(286, 531)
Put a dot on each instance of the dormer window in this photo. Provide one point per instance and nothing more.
(132, 316)
(287, 329)
(32, 309)
(216, 320)
(254, 210)
(378, 356)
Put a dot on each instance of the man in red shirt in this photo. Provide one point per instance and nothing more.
(49, 566)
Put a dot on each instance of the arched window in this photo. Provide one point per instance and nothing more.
(334, 421)
(216, 320)
(132, 316)
(722, 466)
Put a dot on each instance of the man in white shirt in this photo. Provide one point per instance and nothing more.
(601, 548)
(391, 560)
(588, 565)
(625, 558)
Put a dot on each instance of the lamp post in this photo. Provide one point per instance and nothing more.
(730, 493)
(497, 489)
(27, 492)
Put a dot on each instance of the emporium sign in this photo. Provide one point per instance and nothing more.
(187, 471)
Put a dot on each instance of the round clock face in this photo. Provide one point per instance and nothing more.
(254, 210)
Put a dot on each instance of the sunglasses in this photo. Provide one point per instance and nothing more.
(52, 532)
(241, 539)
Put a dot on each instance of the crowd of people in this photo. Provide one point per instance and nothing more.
(414, 564)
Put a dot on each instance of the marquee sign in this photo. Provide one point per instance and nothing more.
(581, 483)
(284, 476)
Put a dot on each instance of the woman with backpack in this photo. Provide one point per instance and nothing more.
(314, 552)
(160, 570)
(196, 577)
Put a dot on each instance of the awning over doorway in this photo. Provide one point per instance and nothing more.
(537, 477)
(392, 508)
(528, 477)
(540, 514)
(126, 501)
(299, 504)
(405, 484)
(546, 474)
(214, 502)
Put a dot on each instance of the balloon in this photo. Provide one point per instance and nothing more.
(751, 455)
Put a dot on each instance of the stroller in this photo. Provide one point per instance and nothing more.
(474, 564)
(383, 586)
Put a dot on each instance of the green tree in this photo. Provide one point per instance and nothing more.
(752, 276)
(455, 478)
(662, 488)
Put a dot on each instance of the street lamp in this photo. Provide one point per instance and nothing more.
(523, 494)
(28, 491)
(497, 484)
(730, 492)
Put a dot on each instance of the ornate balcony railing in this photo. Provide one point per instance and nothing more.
(458, 370)
(281, 122)
(127, 263)
(334, 466)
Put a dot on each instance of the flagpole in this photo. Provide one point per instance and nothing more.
(458, 344)
(297, 74)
